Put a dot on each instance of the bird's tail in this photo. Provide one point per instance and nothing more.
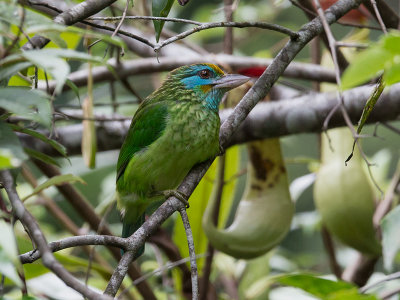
(128, 228)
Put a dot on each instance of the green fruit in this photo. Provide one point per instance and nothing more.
(343, 195)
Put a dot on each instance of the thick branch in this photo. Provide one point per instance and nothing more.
(272, 119)
(151, 65)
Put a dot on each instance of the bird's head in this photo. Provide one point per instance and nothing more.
(206, 82)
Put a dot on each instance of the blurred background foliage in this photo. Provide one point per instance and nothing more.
(302, 250)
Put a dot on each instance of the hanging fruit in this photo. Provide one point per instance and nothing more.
(343, 195)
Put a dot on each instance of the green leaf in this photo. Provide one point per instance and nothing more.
(8, 253)
(11, 152)
(391, 42)
(74, 88)
(7, 160)
(392, 74)
(12, 69)
(56, 145)
(41, 156)
(323, 288)
(56, 180)
(314, 285)
(365, 66)
(30, 104)
(370, 104)
(390, 237)
(160, 8)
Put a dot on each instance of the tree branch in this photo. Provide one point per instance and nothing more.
(151, 65)
(75, 241)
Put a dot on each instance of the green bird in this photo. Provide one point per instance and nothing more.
(175, 128)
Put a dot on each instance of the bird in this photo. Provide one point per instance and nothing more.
(173, 129)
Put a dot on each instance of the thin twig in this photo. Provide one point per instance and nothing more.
(378, 17)
(330, 249)
(262, 25)
(391, 127)
(351, 45)
(205, 279)
(385, 205)
(385, 279)
(192, 253)
(390, 294)
(108, 19)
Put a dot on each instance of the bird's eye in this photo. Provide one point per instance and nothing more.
(205, 73)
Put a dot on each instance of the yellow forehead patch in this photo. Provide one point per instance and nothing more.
(216, 69)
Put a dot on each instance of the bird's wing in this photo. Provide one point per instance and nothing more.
(147, 126)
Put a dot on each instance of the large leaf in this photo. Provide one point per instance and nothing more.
(30, 104)
(392, 74)
(379, 58)
(56, 180)
(11, 151)
(160, 8)
(391, 237)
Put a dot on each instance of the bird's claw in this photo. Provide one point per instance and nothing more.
(179, 195)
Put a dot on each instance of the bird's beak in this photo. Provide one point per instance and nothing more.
(230, 81)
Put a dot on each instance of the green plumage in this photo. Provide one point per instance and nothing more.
(175, 128)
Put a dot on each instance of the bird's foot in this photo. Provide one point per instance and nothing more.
(179, 195)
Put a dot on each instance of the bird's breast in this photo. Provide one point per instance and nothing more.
(191, 136)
